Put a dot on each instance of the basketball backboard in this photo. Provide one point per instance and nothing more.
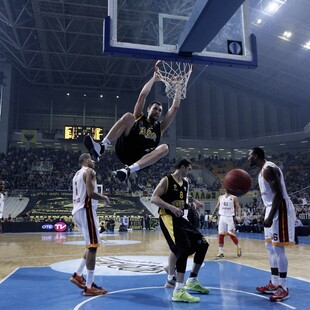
(195, 31)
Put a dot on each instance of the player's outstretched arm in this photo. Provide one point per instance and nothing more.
(138, 110)
(172, 112)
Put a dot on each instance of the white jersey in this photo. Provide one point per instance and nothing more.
(265, 189)
(226, 207)
(80, 197)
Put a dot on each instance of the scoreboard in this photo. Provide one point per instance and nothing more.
(78, 132)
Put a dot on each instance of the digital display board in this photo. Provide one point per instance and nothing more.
(78, 132)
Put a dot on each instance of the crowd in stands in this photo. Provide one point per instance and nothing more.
(44, 169)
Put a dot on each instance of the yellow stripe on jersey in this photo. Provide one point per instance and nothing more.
(167, 220)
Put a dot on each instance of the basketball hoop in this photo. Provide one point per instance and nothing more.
(175, 75)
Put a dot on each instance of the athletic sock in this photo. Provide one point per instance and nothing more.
(106, 142)
(178, 285)
(81, 267)
(275, 280)
(134, 167)
(282, 282)
(192, 279)
(90, 278)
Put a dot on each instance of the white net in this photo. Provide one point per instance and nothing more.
(175, 75)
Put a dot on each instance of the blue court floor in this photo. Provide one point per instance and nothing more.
(137, 282)
(232, 287)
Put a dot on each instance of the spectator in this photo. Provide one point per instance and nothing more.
(147, 222)
(298, 223)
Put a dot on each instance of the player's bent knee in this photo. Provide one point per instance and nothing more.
(128, 118)
(205, 246)
(164, 149)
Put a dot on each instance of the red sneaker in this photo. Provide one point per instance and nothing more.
(79, 281)
(280, 295)
(267, 289)
(94, 290)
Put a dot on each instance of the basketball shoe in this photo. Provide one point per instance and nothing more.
(182, 296)
(280, 295)
(122, 174)
(268, 289)
(219, 255)
(239, 252)
(196, 287)
(94, 290)
(95, 149)
(79, 281)
(170, 283)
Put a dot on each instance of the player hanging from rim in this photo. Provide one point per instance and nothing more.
(227, 206)
(279, 223)
(137, 135)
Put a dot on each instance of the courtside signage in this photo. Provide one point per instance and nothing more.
(60, 226)
(47, 227)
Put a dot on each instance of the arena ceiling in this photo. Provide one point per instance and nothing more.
(58, 44)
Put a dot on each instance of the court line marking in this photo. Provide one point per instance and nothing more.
(10, 274)
(78, 306)
(297, 278)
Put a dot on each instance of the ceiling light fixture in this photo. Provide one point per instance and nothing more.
(258, 22)
(274, 6)
(286, 36)
(306, 45)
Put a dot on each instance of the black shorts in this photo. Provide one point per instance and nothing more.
(127, 152)
(180, 233)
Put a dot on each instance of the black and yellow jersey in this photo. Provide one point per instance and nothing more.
(175, 194)
(145, 134)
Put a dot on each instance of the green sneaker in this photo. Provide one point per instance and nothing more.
(183, 296)
(197, 287)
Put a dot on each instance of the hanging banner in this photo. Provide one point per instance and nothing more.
(29, 136)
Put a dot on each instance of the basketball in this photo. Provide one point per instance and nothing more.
(237, 182)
